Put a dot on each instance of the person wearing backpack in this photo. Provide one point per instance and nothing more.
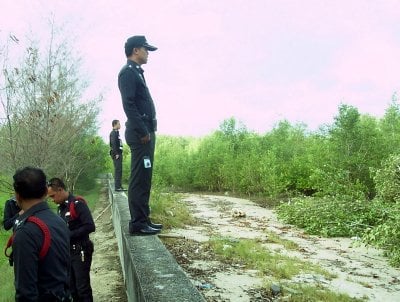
(75, 212)
(40, 243)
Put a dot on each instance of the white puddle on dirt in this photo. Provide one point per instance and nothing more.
(360, 271)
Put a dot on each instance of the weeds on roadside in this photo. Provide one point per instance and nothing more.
(252, 254)
(274, 266)
(287, 244)
(170, 210)
(311, 293)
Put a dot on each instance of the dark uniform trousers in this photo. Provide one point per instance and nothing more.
(140, 182)
(118, 171)
(81, 260)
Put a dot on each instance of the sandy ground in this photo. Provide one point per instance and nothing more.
(361, 271)
(106, 274)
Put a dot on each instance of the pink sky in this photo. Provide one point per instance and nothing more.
(260, 61)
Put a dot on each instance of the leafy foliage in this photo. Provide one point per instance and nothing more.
(332, 217)
(287, 161)
(386, 234)
(387, 179)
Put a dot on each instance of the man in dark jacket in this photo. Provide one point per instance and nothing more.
(76, 214)
(116, 154)
(139, 135)
(11, 212)
(38, 276)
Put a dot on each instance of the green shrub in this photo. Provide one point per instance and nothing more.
(387, 179)
(332, 217)
(387, 234)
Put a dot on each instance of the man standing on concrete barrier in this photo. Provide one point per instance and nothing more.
(76, 213)
(139, 135)
(116, 154)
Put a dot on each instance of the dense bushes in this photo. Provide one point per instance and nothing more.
(288, 160)
(332, 217)
(349, 170)
(386, 232)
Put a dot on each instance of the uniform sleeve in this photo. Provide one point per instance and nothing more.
(114, 143)
(9, 216)
(127, 85)
(26, 261)
(86, 224)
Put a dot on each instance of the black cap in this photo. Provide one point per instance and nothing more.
(137, 41)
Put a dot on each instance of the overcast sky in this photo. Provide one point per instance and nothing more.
(260, 61)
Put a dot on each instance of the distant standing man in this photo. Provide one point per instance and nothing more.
(40, 274)
(140, 134)
(76, 214)
(11, 213)
(116, 154)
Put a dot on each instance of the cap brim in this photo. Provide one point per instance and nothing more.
(150, 47)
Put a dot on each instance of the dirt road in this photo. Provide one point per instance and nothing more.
(106, 274)
(361, 272)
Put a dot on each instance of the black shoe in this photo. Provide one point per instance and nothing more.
(120, 189)
(156, 226)
(144, 231)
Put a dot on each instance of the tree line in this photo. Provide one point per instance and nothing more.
(338, 159)
(44, 119)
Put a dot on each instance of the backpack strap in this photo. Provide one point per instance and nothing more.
(46, 233)
(46, 238)
(72, 210)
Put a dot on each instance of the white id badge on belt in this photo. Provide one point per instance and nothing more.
(147, 162)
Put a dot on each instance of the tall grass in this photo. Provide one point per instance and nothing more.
(7, 275)
(170, 210)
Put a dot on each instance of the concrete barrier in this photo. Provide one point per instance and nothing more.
(151, 273)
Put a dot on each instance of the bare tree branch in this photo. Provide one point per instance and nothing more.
(46, 123)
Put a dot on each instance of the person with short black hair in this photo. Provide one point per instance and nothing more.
(140, 135)
(40, 274)
(75, 212)
(116, 154)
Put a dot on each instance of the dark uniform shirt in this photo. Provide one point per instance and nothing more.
(35, 278)
(136, 100)
(115, 143)
(82, 225)
(11, 210)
